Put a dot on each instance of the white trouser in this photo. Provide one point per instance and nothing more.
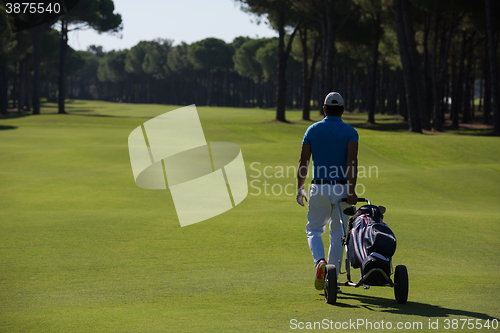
(323, 208)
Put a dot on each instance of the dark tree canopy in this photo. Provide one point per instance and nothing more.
(428, 61)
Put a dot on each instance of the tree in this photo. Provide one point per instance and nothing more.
(94, 14)
(177, 59)
(155, 60)
(87, 75)
(445, 35)
(354, 48)
(308, 67)
(493, 68)
(181, 73)
(328, 15)
(409, 60)
(247, 65)
(437, 74)
(267, 56)
(6, 45)
(155, 66)
(38, 33)
(331, 16)
(280, 15)
(20, 56)
(112, 70)
(283, 54)
(135, 58)
(458, 92)
(374, 9)
(148, 58)
(96, 50)
(74, 63)
(49, 65)
(211, 55)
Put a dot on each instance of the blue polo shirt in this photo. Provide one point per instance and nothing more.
(328, 139)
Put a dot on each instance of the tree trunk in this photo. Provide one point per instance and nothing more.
(392, 95)
(62, 65)
(372, 84)
(493, 69)
(225, 100)
(308, 73)
(210, 84)
(328, 42)
(427, 88)
(328, 35)
(445, 102)
(350, 89)
(403, 30)
(15, 86)
(435, 92)
(422, 115)
(312, 69)
(403, 107)
(458, 91)
(437, 78)
(281, 79)
(481, 97)
(260, 99)
(473, 88)
(283, 53)
(453, 80)
(306, 93)
(22, 87)
(36, 38)
(290, 92)
(3, 86)
(382, 90)
(469, 81)
(373, 71)
(487, 90)
(28, 85)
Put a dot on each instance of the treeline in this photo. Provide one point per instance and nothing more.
(430, 61)
(34, 57)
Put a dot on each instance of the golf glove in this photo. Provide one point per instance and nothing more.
(301, 195)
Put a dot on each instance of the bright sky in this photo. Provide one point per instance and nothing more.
(180, 20)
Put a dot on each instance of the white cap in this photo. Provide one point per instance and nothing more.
(334, 99)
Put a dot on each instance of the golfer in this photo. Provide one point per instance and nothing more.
(334, 148)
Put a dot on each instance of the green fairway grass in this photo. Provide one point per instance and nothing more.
(84, 249)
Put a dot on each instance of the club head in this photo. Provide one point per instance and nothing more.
(350, 210)
(382, 209)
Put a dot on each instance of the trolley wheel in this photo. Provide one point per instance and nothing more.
(401, 284)
(330, 287)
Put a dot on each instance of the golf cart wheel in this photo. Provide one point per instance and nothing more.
(401, 284)
(330, 287)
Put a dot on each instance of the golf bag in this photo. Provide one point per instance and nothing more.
(371, 243)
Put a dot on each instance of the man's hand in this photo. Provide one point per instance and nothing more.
(301, 195)
(352, 199)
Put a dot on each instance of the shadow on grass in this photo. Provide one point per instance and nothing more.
(7, 127)
(410, 308)
(95, 115)
(462, 130)
(385, 127)
(302, 121)
(402, 126)
(53, 108)
(75, 113)
(15, 115)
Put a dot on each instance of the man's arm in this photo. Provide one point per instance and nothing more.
(352, 171)
(305, 155)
